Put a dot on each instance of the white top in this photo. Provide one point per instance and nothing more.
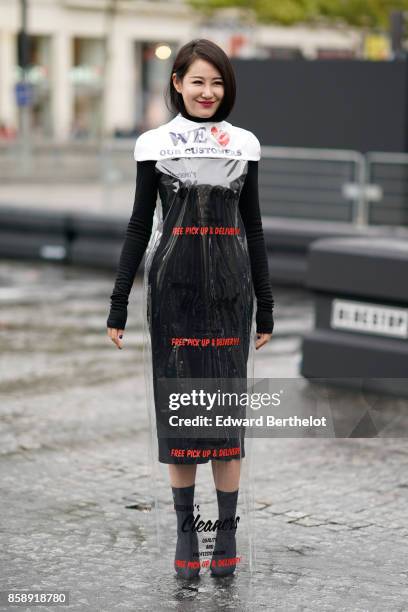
(182, 137)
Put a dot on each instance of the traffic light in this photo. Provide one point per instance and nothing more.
(397, 27)
(23, 49)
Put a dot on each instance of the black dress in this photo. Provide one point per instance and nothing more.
(202, 264)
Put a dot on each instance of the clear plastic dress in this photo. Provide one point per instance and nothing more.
(199, 324)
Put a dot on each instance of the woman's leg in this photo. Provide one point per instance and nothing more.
(182, 475)
(226, 474)
(186, 561)
(226, 479)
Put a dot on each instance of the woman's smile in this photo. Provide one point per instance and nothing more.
(205, 103)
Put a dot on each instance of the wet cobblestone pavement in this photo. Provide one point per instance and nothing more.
(330, 515)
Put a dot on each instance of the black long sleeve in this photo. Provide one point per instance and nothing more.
(251, 217)
(139, 231)
(136, 239)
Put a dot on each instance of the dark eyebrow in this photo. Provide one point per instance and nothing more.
(200, 77)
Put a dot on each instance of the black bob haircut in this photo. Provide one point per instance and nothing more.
(201, 48)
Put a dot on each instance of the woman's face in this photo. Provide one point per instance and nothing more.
(202, 89)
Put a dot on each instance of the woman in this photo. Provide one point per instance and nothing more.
(201, 270)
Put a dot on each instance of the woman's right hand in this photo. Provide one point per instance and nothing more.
(116, 336)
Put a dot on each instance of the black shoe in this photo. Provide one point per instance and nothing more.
(223, 561)
(187, 561)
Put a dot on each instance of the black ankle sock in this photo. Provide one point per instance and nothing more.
(186, 561)
(225, 550)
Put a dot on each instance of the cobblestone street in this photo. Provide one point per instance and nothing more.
(330, 515)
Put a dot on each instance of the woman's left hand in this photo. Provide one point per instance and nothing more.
(262, 339)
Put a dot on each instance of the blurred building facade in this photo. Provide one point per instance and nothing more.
(101, 66)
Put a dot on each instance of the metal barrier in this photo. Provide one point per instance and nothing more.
(387, 175)
(335, 185)
(314, 184)
(108, 162)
